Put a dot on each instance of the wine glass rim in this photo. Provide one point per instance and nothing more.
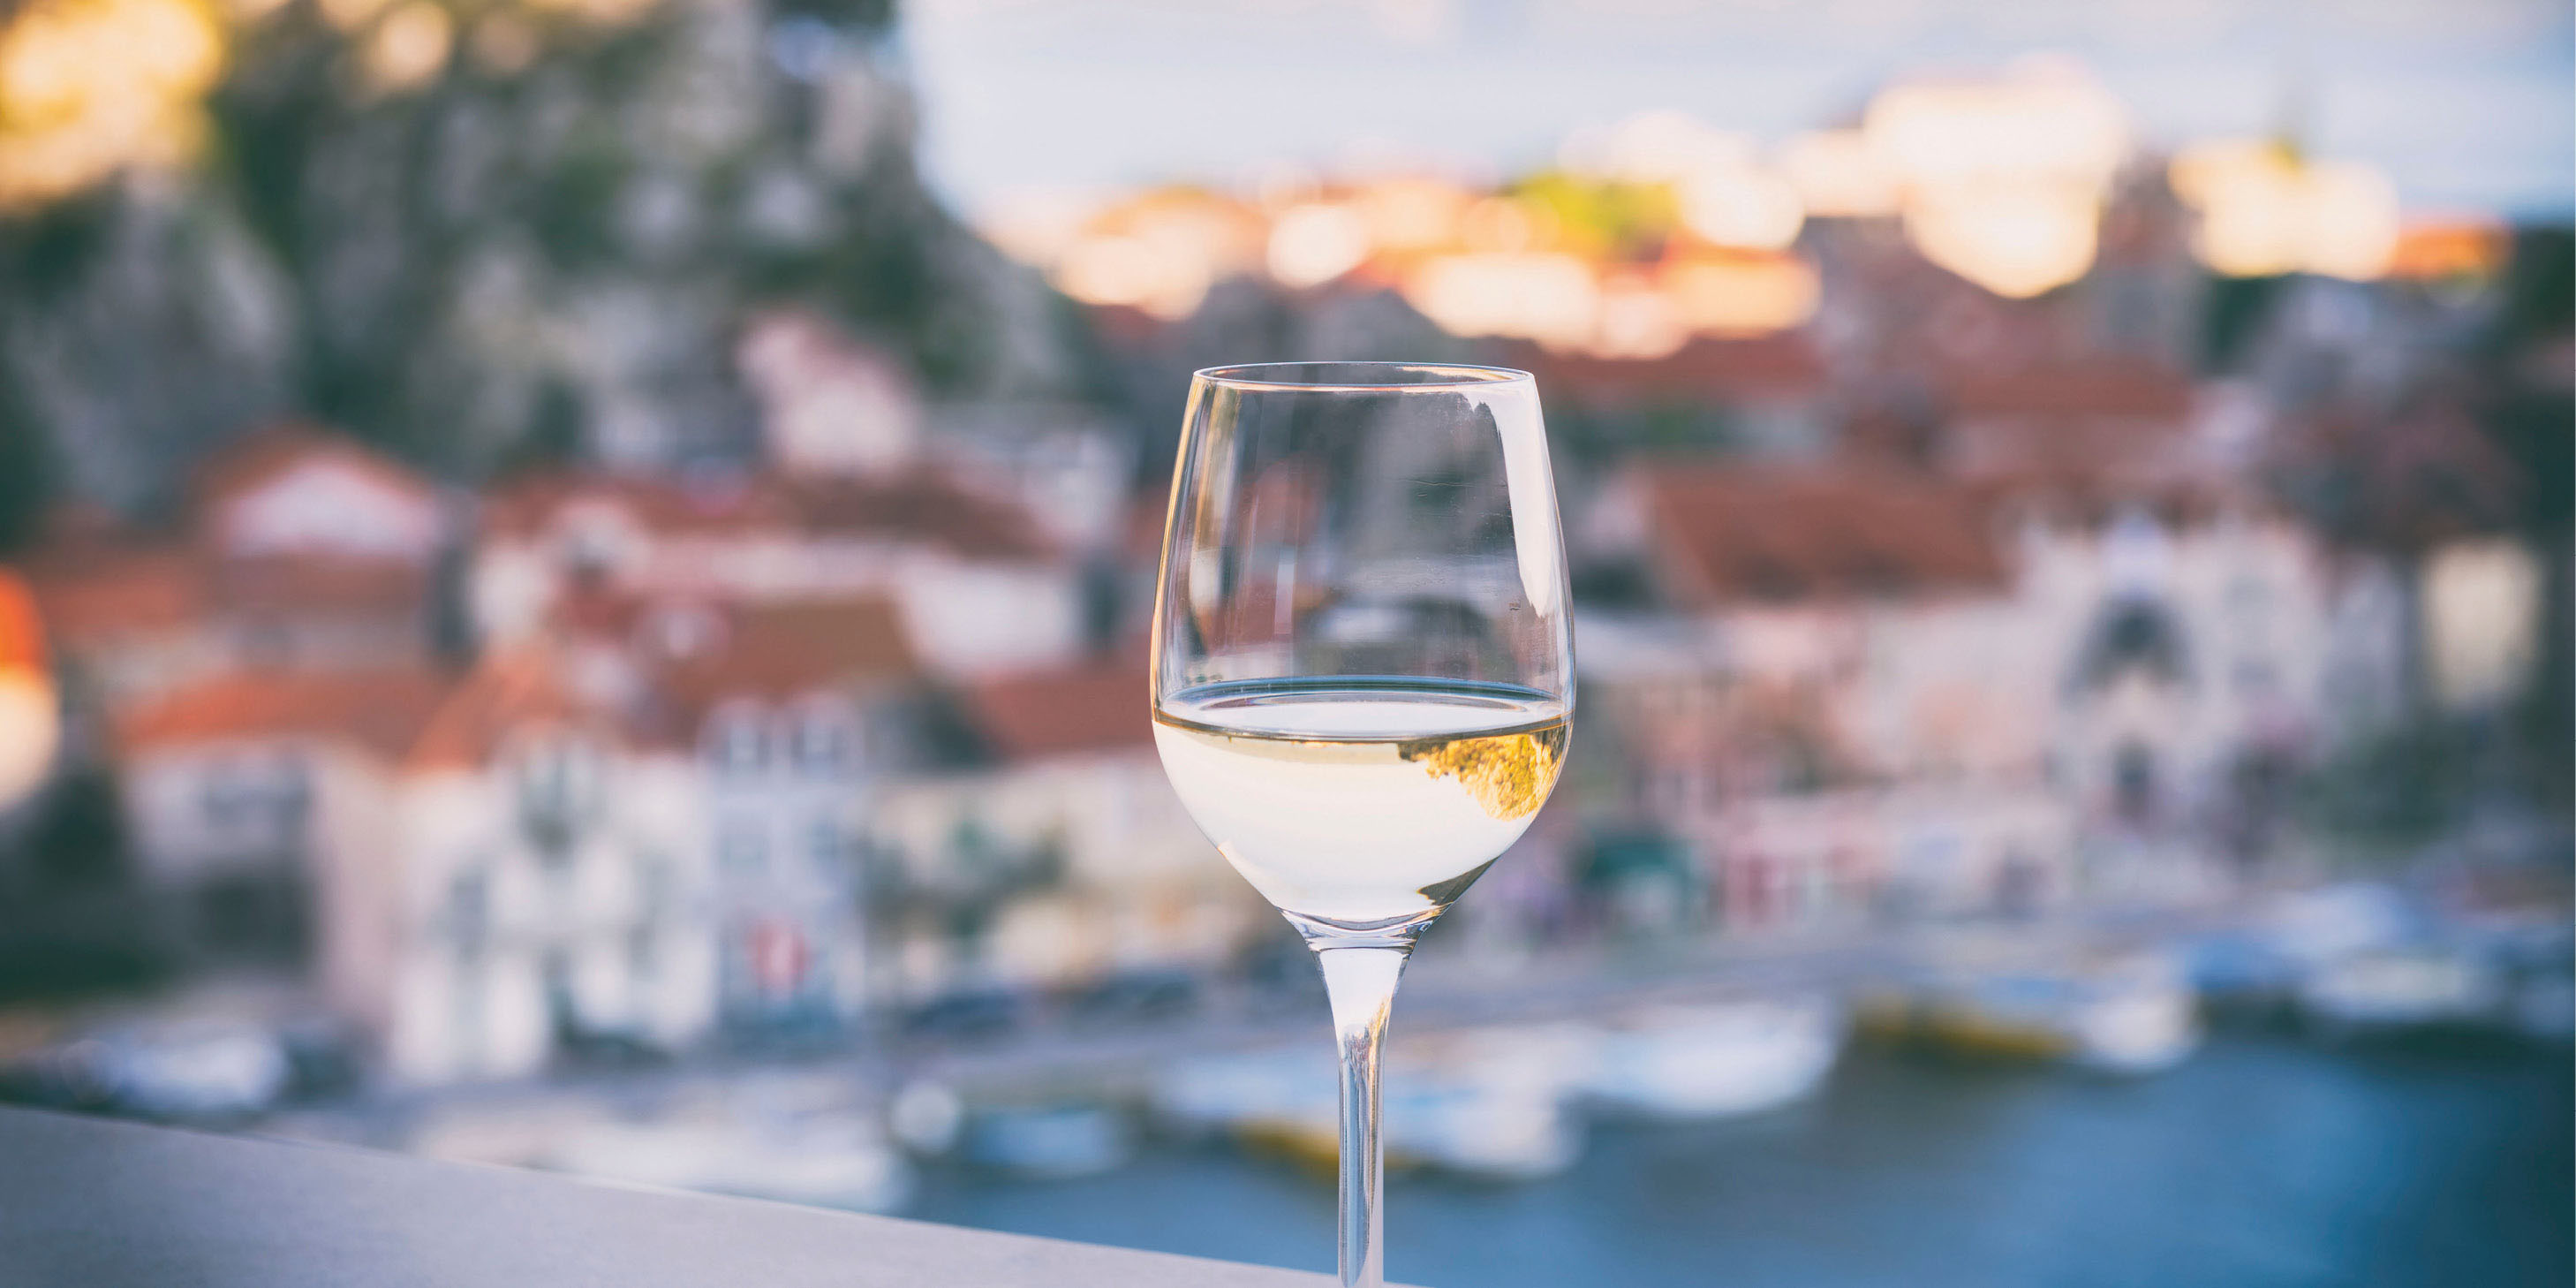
(1400, 377)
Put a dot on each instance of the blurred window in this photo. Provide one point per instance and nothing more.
(2255, 677)
(742, 846)
(825, 744)
(269, 799)
(652, 887)
(293, 796)
(2133, 781)
(224, 796)
(825, 845)
(1675, 792)
(2139, 633)
(258, 916)
(469, 911)
(563, 1012)
(559, 782)
(736, 743)
(265, 644)
(2248, 596)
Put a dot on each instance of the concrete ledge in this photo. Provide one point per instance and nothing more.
(104, 1204)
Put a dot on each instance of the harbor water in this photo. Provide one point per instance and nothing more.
(2262, 1161)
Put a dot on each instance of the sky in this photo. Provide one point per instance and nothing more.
(2467, 104)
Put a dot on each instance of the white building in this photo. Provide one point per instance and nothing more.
(981, 590)
(548, 888)
(238, 790)
(1926, 658)
(478, 873)
(650, 835)
(829, 405)
(1101, 869)
(575, 846)
(792, 710)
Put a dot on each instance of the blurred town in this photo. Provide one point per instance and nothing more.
(544, 567)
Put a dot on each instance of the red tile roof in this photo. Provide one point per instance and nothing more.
(91, 594)
(2075, 438)
(504, 693)
(263, 454)
(782, 649)
(2423, 475)
(2067, 489)
(527, 507)
(1726, 534)
(2103, 388)
(1091, 708)
(922, 505)
(663, 505)
(590, 611)
(98, 595)
(97, 583)
(22, 628)
(925, 505)
(321, 586)
(381, 711)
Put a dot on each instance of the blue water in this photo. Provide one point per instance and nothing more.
(2261, 1162)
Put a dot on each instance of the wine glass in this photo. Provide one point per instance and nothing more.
(1363, 667)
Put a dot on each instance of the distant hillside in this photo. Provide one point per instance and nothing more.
(478, 235)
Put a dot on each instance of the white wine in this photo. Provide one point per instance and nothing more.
(1361, 802)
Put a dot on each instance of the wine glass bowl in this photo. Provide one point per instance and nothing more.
(1363, 519)
(1363, 665)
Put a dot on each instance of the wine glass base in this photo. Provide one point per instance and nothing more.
(1393, 932)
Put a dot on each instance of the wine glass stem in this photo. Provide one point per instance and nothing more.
(1361, 983)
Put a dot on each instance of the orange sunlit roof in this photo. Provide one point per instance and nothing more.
(22, 628)
(2435, 249)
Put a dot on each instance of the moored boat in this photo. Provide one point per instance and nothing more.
(2130, 1015)
(1715, 1061)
